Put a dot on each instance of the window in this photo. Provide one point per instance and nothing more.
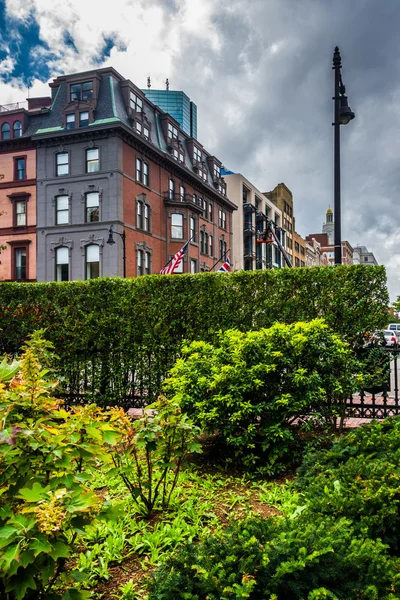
(202, 241)
(175, 154)
(210, 245)
(17, 129)
(192, 233)
(302, 263)
(171, 189)
(181, 157)
(365, 258)
(81, 91)
(222, 249)
(196, 154)
(145, 174)
(223, 219)
(181, 193)
(62, 210)
(20, 213)
(177, 226)
(146, 217)
(139, 215)
(83, 119)
(147, 263)
(297, 247)
(139, 170)
(62, 163)
(70, 121)
(220, 218)
(139, 127)
(92, 160)
(92, 207)
(193, 265)
(296, 262)
(5, 131)
(143, 263)
(135, 102)
(217, 172)
(92, 261)
(146, 133)
(245, 195)
(210, 212)
(205, 243)
(20, 170)
(172, 131)
(140, 262)
(62, 264)
(20, 263)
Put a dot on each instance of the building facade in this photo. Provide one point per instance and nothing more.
(178, 105)
(282, 197)
(108, 158)
(253, 210)
(18, 188)
(328, 250)
(314, 254)
(362, 256)
(299, 250)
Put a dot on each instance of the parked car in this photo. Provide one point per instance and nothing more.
(394, 327)
(386, 337)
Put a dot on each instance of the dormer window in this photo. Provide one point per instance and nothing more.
(84, 119)
(135, 102)
(81, 91)
(70, 121)
(217, 172)
(146, 133)
(17, 129)
(172, 132)
(5, 131)
(196, 154)
(139, 127)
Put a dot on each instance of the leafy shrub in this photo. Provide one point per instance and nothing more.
(123, 348)
(283, 559)
(150, 452)
(359, 478)
(252, 386)
(45, 500)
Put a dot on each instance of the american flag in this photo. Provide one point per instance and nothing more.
(175, 262)
(226, 267)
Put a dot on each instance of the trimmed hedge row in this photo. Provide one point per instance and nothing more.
(117, 338)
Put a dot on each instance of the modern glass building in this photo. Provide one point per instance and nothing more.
(178, 105)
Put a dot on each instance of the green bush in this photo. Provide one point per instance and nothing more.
(118, 338)
(251, 387)
(279, 560)
(45, 500)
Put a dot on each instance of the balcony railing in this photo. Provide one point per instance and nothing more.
(13, 106)
(188, 199)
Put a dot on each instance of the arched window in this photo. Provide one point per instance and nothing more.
(5, 131)
(17, 129)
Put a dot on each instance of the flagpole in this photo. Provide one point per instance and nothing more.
(220, 259)
(172, 257)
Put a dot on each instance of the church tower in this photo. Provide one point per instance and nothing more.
(329, 225)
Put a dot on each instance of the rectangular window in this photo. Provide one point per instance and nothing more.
(181, 193)
(210, 245)
(139, 170)
(193, 265)
(223, 219)
(177, 226)
(175, 153)
(62, 210)
(62, 264)
(20, 263)
(245, 195)
(145, 174)
(139, 127)
(62, 164)
(135, 102)
(83, 119)
(20, 168)
(139, 215)
(171, 189)
(70, 121)
(147, 263)
(210, 212)
(146, 217)
(196, 154)
(92, 261)
(146, 133)
(172, 132)
(181, 157)
(92, 207)
(202, 241)
(92, 160)
(20, 213)
(220, 218)
(192, 232)
(81, 91)
(217, 172)
(296, 262)
(140, 262)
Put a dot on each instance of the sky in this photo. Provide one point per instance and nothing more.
(260, 72)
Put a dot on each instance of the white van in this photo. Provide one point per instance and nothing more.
(394, 327)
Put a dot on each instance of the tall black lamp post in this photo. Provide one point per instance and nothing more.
(111, 241)
(343, 115)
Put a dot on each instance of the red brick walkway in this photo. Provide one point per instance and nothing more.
(356, 421)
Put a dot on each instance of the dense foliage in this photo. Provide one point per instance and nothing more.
(341, 543)
(118, 338)
(251, 387)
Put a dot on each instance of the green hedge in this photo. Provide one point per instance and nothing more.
(117, 338)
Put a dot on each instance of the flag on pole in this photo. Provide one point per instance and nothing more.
(175, 262)
(226, 267)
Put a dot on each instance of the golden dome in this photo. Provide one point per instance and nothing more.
(329, 211)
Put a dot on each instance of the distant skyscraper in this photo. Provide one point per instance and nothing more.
(178, 105)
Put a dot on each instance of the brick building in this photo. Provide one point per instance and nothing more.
(18, 188)
(107, 159)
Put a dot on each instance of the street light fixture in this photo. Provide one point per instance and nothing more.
(111, 242)
(343, 116)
